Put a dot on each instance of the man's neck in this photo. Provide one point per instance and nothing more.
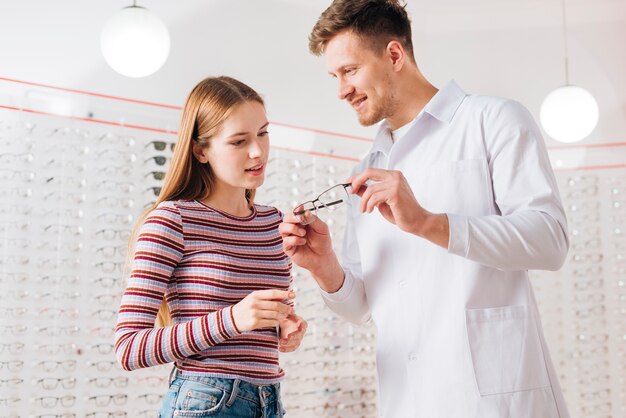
(413, 93)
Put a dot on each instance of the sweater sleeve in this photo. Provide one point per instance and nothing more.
(158, 251)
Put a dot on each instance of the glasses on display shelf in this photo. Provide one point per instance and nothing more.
(150, 398)
(110, 266)
(56, 280)
(115, 170)
(112, 218)
(52, 401)
(71, 246)
(589, 410)
(156, 175)
(589, 298)
(61, 415)
(152, 381)
(102, 365)
(115, 155)
(59, 263)
(17, 226)
(592, 271)
(20, 176)
(56, 163)
(13, 278)
(11, 348)
(110, 251)
(584, 218)
(324, 350)
(16, 210)
(157, 159)
(109, 138)
(54, 349)
(51, 383)
(10, 402)
(11, 382)
(154, 190)
(101, 414)
(598, 310)
(116, 202)
(7, 158)
(50, 312)
(110, 234)
(106, 400)
(17, 312)
(582, 180)
(161, 145)
(13, 193)
(104, 314)
(15, 330)
(106, 299)
(592, 244)
(115, 186)
(105, 382)
(585, 232)
(59, 196)
(12, 365)
(55, 331)
(57, 295)
(361, 380)
(109, 282)
(358, 394)
(13, 294)
(584, 285)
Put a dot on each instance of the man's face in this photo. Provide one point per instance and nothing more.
(364, 77)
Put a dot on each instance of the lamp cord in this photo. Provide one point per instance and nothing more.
(565, 43)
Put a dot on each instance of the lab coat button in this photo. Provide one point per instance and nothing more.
(402, 282)
(412, 357)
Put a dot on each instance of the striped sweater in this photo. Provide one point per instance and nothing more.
(204, 261)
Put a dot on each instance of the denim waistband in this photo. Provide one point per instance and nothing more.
(240, 387)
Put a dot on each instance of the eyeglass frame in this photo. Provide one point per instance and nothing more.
(317, 199)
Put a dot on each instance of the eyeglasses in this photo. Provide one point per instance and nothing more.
(51, 383)
(157, 175)
(158, 159)
(161, 145)
(330, 199)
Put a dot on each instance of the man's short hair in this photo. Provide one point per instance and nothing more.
(375, 22)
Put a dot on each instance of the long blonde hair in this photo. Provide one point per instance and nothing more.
(208, 105)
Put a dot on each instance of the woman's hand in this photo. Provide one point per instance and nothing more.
(262, 309)
(292, 330)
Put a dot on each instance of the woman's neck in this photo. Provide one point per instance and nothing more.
(231, 201)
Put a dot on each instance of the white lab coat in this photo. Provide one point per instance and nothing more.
(459, 334)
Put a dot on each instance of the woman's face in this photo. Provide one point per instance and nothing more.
(238, 154)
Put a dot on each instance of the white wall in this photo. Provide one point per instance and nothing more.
(501, 47)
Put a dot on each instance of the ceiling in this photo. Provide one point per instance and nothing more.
(497, 47)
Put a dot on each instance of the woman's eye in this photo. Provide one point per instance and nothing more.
(264, 133)
(238, 142)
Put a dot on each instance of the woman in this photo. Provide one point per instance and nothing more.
(209, 264)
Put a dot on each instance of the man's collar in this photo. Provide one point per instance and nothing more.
(442, 106)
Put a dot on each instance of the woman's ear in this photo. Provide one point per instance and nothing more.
(199, 152)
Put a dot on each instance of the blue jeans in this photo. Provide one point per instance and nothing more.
(197, 396)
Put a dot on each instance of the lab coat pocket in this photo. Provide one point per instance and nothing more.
(505, 349)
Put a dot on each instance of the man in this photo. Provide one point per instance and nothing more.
(466, 203)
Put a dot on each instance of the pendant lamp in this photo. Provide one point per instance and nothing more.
(568, 113)
(135, 42)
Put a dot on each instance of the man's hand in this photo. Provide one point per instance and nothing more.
(292, 330)
(391, 194)
(310, 247)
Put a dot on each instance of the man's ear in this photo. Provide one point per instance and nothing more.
(199, 152)
(396, 53)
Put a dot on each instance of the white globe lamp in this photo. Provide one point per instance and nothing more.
(135, 42)
(569, 114)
